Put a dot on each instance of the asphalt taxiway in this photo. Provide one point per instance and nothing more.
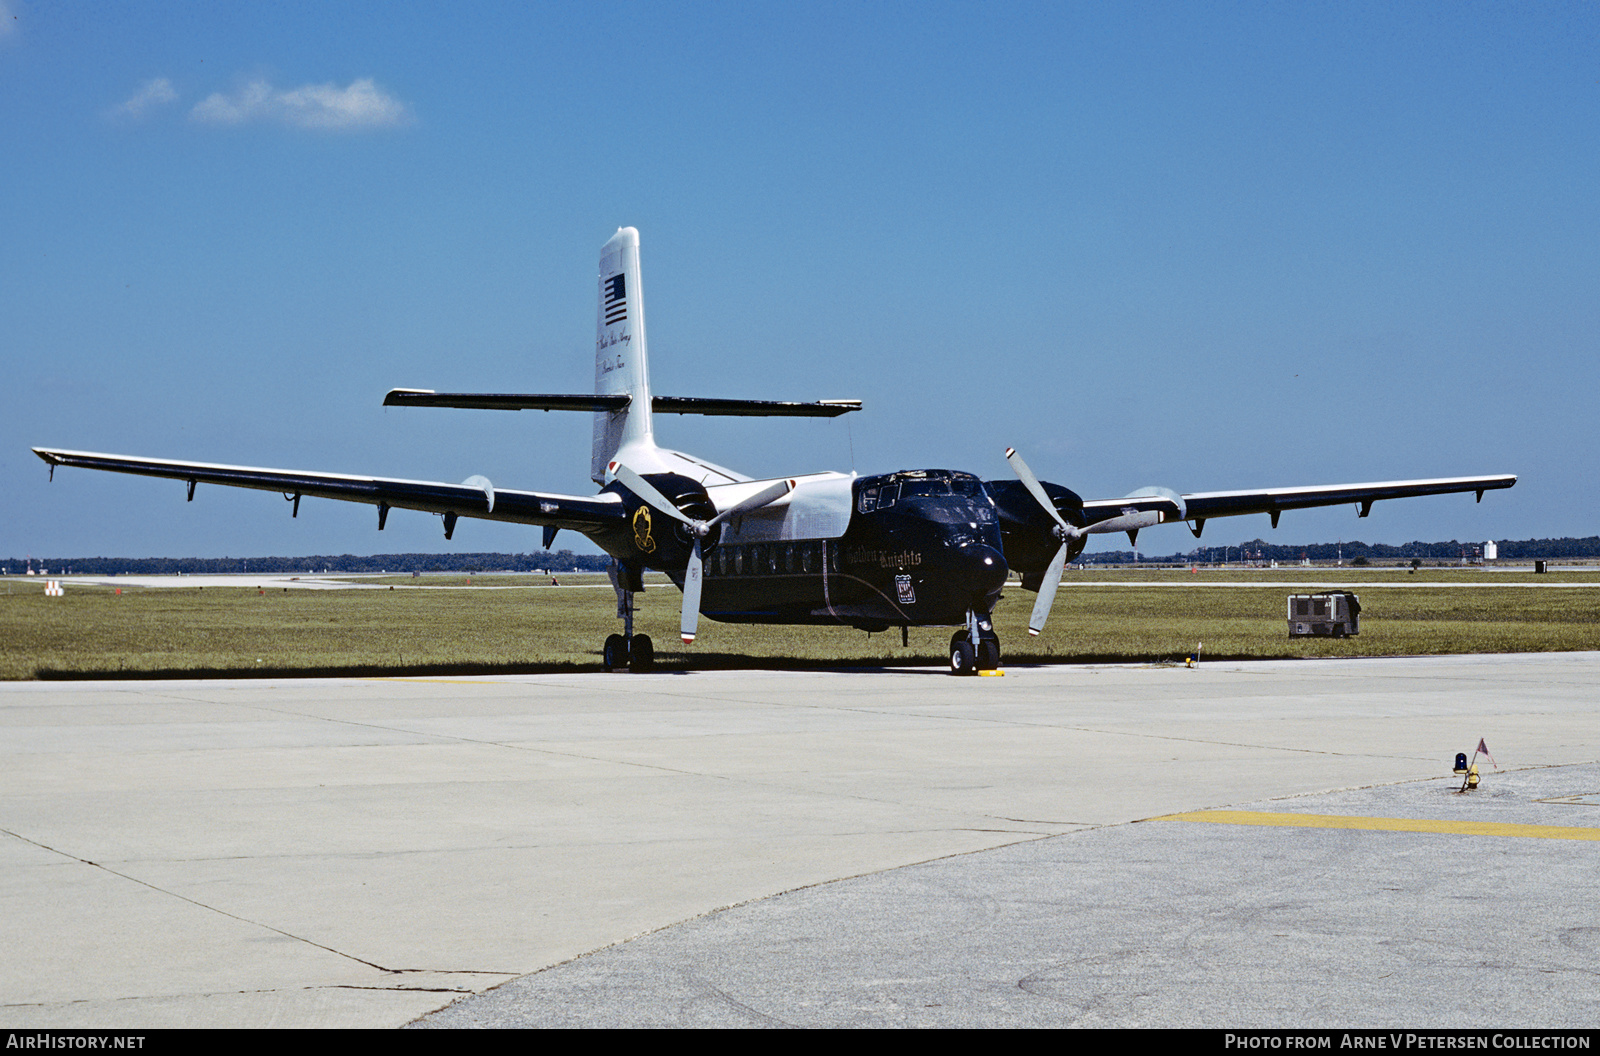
(367, 851)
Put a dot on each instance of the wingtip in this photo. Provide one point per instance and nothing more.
(396, 396)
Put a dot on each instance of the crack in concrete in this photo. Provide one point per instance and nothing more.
(198, 904)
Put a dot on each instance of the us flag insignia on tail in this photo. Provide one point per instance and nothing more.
(616, 299)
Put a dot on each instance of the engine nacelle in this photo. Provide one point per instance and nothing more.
(656, 540)
(1026, 530)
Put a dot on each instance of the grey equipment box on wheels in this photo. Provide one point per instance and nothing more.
(1330, 614)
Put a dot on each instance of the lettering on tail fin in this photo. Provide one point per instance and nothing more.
(621, 364)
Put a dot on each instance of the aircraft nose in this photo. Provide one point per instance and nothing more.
(981, 571)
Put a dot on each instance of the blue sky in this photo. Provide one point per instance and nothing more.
(1202, 246)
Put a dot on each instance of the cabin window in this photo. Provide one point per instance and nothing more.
(887, 496)
(869, 500)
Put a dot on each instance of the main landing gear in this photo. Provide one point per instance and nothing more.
(636, 652)
(976, 648)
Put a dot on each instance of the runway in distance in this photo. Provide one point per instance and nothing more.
(911, 548)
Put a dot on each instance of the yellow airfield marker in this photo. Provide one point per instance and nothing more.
(1339, 821)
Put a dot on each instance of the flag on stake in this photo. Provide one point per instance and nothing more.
(1483, 750)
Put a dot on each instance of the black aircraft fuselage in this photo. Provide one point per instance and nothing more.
(922, 548)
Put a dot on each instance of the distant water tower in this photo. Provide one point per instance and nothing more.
(1491, 552)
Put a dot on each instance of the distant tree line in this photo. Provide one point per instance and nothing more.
(561, 561)
(1452, 550)
(567, 561)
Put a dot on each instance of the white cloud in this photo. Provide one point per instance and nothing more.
(361, 105)
(157, 92)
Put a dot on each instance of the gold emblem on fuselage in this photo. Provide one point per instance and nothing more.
(641, 530)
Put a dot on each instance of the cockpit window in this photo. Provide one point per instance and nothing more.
(925, 488)
(889, 493)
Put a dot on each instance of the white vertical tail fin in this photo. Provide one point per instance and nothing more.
(621, 362)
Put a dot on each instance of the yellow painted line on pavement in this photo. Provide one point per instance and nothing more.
(1339, 821)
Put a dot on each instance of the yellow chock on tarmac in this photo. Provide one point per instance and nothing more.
(997, 673)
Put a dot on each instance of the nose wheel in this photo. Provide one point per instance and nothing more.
(975, 648)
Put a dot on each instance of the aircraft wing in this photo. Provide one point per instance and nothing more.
(475, 497)
(1153, 505)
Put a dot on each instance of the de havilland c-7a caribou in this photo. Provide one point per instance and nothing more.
(913, 548)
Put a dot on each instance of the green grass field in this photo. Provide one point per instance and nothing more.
(520, 624)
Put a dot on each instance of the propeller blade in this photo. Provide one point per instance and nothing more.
(1047, 591)
(692, 579)
(647, 491)
(1128, 522)
(1067, 533)
(764, 497)
(1036, 489)
(694, 574)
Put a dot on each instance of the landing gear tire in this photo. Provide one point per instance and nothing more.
(615, 654)
(988, 654)
(962, 660)
(643, 656)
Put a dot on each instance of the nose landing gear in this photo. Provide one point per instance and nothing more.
(976, 648)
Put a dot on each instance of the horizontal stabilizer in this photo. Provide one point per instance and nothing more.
(753, 408)
(495, 401)
(492, 401)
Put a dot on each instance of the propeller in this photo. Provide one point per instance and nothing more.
(1067, 533)
(1130, 520)
(698, 530)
